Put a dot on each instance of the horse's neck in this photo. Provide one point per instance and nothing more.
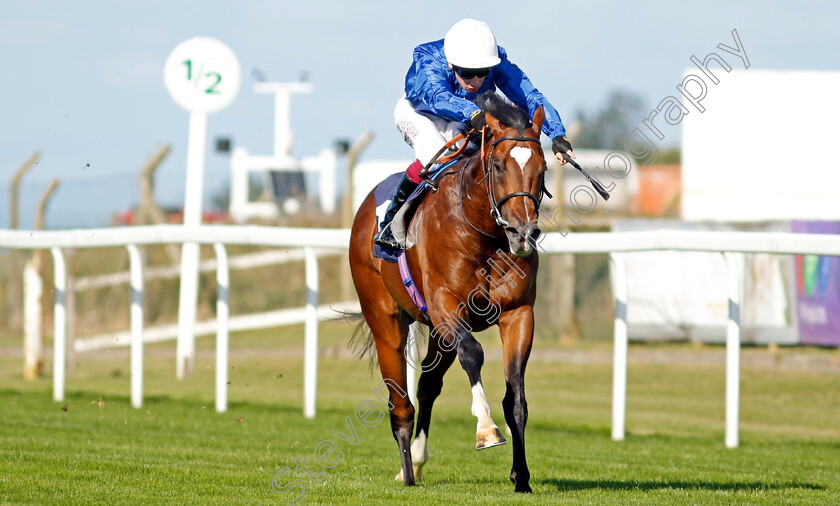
(474, 189)
(475, 173)
(476, 205)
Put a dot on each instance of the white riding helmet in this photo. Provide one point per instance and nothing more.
(470, 44)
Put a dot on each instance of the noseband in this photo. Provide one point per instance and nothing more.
(495, 205)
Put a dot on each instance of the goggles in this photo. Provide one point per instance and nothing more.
(468, 74)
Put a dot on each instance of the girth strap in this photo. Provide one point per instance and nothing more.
(405, 274)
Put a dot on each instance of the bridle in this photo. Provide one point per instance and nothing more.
(495, 205)
(489, 176)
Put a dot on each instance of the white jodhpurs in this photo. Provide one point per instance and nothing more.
(423, 131)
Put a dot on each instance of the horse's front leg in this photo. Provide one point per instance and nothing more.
(455, 331)
(517, 333)
(471, 356)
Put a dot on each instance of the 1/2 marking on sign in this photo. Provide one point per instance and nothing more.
(200, 74)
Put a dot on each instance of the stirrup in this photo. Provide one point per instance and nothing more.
(386, 239)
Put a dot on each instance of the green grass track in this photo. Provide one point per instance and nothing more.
(94, 448)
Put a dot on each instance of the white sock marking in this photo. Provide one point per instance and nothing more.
(419, 452)
(481, 407)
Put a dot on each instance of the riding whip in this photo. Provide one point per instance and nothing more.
(595, 183)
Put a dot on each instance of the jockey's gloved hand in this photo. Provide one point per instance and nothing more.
(477, 120)
(560, 144)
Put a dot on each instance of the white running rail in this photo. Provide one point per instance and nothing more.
(602, 242)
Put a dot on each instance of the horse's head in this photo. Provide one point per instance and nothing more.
(515, 168)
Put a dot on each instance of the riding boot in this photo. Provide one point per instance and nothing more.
(385, 237)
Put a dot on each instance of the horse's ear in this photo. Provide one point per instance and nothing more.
(494, 124)
(539, 118)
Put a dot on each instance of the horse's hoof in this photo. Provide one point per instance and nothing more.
(522, 485)
(489, 438)
(418, 476)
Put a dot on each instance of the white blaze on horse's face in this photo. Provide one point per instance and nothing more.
(521, 155)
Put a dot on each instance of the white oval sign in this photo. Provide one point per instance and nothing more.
(202, 75)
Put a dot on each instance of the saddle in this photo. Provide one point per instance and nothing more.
(399, 225)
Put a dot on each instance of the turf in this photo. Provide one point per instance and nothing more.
(94, 448)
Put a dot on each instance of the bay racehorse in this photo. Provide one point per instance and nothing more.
(470, 249)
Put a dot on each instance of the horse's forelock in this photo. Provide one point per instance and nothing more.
(504, 111)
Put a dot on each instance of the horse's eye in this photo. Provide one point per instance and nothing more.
(498, 166)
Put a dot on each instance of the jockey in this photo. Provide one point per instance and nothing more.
(440, 88)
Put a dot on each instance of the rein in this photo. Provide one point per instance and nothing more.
(424, 173)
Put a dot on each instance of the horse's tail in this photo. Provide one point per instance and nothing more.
(361, 342)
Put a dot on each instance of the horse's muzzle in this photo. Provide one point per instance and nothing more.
(523, 241)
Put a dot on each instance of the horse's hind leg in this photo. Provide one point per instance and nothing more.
(433, 367)
(389, 327)
(390, 331)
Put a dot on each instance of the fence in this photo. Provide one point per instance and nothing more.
(235, 323)
(218, 236)
(613, 243)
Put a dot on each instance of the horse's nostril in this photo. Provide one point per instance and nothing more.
(535, 234)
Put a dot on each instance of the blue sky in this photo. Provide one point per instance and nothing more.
(82, 81)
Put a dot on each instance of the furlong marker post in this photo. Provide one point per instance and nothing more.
(190, 251)
(202, 75)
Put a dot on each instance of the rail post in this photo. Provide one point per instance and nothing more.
(222, 335)
(136, 267)
(733, 350)
(60, 324)
(619, 348)
(310, 359)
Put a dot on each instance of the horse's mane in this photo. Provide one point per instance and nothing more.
(503, 110)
